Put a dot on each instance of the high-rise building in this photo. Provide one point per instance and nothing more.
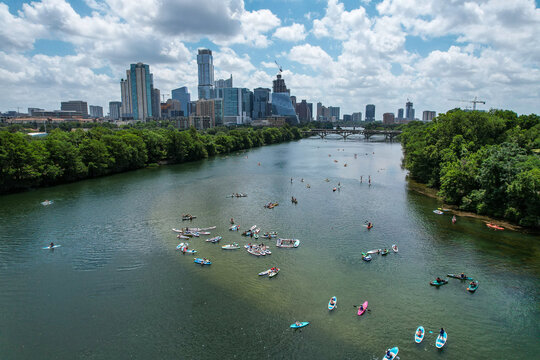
(223, 83)
(303, 111)
(279, 86)
(400, 114)
(409, 110)
(156, 103)
(96, 111)
(136, 92)
(281, 102)
(182, 95)
(114, 109)
(232, 105)
(370, 112)
(428, 115)
(206, 108)
(388, 118)
(171, 109)
(78, 106)
(205, 63)
(347, 118)
(310, 106)
(261, 103)
(218, 111)
(319, 111)
(357, 117)
(334, 113)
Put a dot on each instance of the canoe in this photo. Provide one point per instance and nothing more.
(302, 324)
(435, 283)
(189, 233)
(494, 227)
(395, 248)
(438, 212)
(456, 276)
(362, 309)
(273, 273)
(51, 247)
(374, 251)
(332, 306)
(202, 262)
(231, 246)
(393, 351)
(418, 339)
(269, 235)
(441, 340)
(472, 288)
(215, 239)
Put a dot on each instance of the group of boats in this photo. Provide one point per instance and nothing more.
(257, 250)
(366, 256)
(473, 285)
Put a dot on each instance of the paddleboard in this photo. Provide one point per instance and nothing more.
(394, 351)
(418, 339)
(441, 340)
(302, 324)
(330, 306)
(363, 308)
(200, 261)
(50, 248)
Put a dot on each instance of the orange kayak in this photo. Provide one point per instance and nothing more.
(494, 227)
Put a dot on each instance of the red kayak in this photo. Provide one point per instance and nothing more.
(494, 227)
(362, 309)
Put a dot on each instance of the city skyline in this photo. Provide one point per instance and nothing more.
(341, 53)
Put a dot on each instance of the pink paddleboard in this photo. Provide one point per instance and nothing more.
(363, 309)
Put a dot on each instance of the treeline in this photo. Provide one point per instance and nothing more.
(63, 157)
(486, 163)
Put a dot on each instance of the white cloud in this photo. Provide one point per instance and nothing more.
(295, 32)
(310, 55)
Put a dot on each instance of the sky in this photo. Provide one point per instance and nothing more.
(346, 53)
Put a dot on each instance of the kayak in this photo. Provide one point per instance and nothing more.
(374, 251)
(435, 283)
(438, 212)
(494, 227)
(362, 309)
(302, 324)
(51, 247)
(455, 276)
(332, 306)
(418, 339)
(189, 251)
(473, 287)
(384, 252)
(441, 340)
(234, 228)
(395, 248)
(393, 351)
(202, 262)
(230, 246)
(215, 239)
(273, 272)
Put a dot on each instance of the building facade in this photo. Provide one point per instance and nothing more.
(171, 109)
(223, 83)
(357, 117)
(136, 92)
(156, 103)
(205, 64)
(182, 95)
(303, 111)
(261, 103)
(96, 111)
(114, 109)
(206, 108)
(370, 112)
(78, 106)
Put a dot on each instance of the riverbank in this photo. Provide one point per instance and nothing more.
(432, 193)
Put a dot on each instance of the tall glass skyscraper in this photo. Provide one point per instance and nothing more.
(261, 103)
(370, 112)
(205, 63)
(409, 111)
(182, 95)
(136, 92)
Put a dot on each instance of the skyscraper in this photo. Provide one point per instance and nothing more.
(261, 103)
(279, 85)
(136, 92)
(182, 95)
(357, 116)
(334, 113)
(114, 109)
(205, 63)
(303, 111)
(370, 112)
(400, 114)
(223, 83)
(96, 111)
(281, 101)
(156, 103)
(409, 110)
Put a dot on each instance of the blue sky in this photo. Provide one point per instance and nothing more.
(343, 53)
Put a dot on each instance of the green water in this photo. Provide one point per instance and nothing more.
(117, 288)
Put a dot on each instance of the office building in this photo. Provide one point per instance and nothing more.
(303, 111)
(357, 117)
(428, 115)
(136, 92)
(370, 112)
(388, 118)
(237, 106)
(334, 113)
(206, 108)
(205, 63)
(218, 112)
(114, 109)
(347, 118)
(223, 83)
(182, 95)
(156, 104)
(281, 101)
(79, 107)
(409, 110)
(261, 103)
(96, 111)
(400, 114)
(319, 111)
(31, 111)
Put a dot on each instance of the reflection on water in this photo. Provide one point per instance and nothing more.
(117, 288)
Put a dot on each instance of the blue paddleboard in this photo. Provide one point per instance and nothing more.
(394, 351)
(302, 324)
(54, 247)
(441, 340)
(418, 339)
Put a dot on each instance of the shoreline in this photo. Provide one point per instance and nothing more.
(432, 193)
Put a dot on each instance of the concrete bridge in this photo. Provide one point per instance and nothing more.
(345, 133)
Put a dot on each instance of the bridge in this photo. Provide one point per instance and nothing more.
(345, 133)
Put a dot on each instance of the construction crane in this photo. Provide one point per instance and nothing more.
(474, 102)
(163, 96)
(279, 67)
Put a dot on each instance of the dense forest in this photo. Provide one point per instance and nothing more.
(486, 163)
(66, 156)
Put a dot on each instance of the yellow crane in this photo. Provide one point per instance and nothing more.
(474, 101)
